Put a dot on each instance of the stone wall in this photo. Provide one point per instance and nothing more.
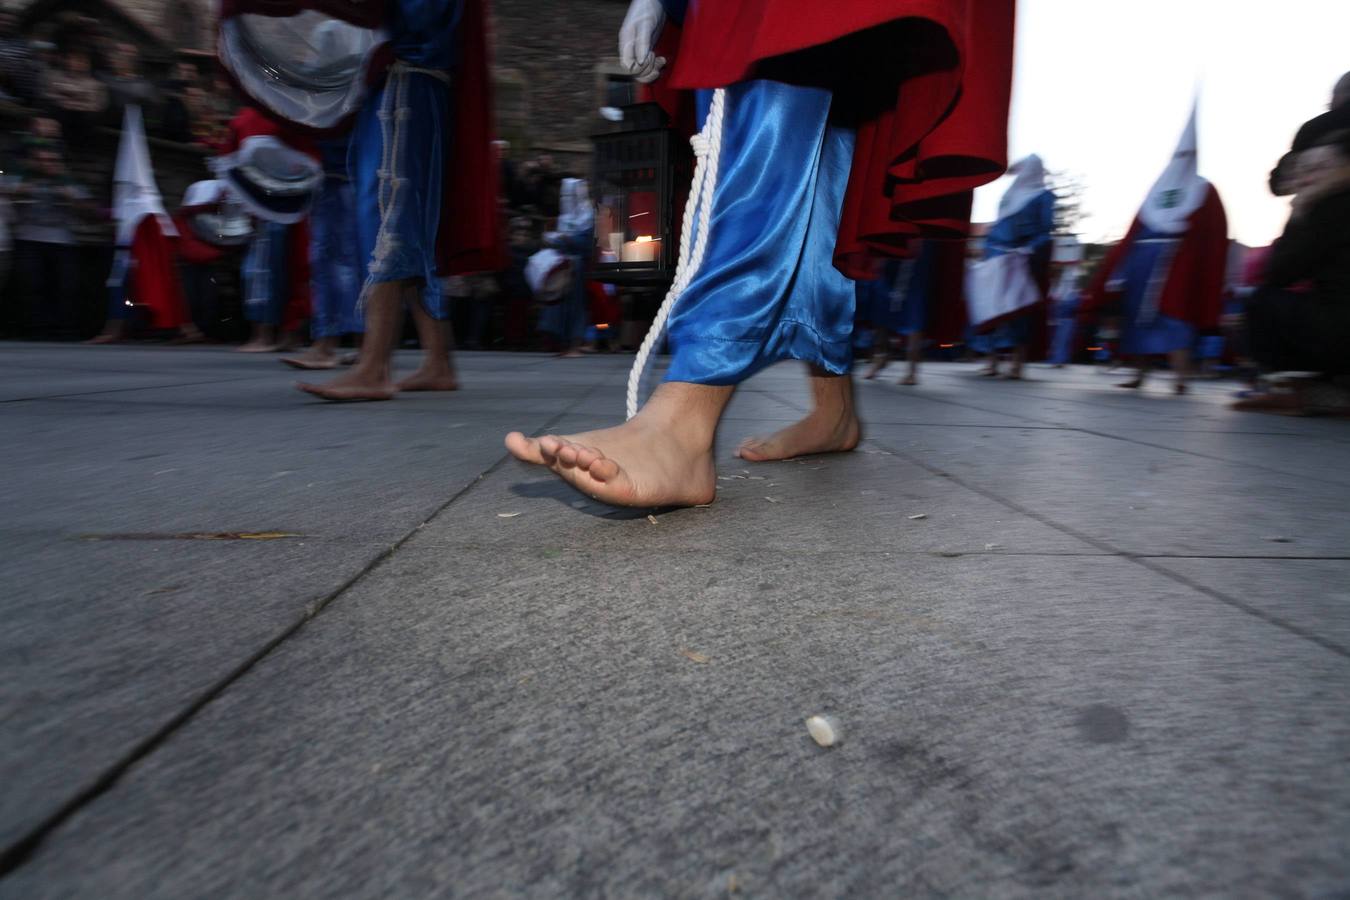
(549, 57)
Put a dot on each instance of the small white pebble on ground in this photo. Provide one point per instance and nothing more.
(652, 519)
(772, 499)
(824, 730)
(919, 516)
(992, 546)
(507, 515)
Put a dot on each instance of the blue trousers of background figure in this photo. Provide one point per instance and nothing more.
(335, 261)
(768, 289)
(265, 276)
(396, 162)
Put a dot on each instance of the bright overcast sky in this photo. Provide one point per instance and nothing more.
(1103, 90)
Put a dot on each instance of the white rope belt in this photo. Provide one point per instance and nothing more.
(693, 237)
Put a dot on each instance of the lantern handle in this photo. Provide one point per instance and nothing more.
(693, 237)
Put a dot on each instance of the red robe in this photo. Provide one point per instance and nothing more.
(152, 279)
(929, 82)
(1193, 291)
(471, 237)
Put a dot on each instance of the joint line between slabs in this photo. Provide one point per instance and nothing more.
(1142, 561)
(20, 851)
(1127, 440)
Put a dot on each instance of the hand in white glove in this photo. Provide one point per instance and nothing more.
(637, 39)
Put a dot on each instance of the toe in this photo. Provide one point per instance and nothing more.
(587, 457)
(604, 469)
(524, 448)
(567, 453)
(549, 445)
(752, 449)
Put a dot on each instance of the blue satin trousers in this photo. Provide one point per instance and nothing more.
(767, 289)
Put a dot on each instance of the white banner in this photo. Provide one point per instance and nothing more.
(999, 286)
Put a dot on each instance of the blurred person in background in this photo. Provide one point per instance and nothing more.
(566, 320)
(77, 96)
(896, 303)
(180, 104)
(1169, 270)
(1336, 118)
(334, 262)
(20, 69)
(1026, 218)
(1307, 329)
(125, 84)
(48, 205)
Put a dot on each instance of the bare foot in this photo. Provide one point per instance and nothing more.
(820, 432)
(634, 464)
(257, 347)
(878, 363)
(311, 361)
(910, 379)
(105, 339)
(661, 457)
(353, 386)
(430, 380)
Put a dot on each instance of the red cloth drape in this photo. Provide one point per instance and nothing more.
(471, 237)
(153, 277)
(929, 82)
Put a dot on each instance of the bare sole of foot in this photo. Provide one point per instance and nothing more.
(419, 382)
(310, 363)
(348, 393)
(257, 348)
(630, 465)
(813, 434)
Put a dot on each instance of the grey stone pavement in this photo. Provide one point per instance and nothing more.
(1112, 660)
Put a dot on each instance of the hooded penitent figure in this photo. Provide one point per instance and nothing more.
(574, 238)
(1009, 285)
(143, 266)
(1169, 269)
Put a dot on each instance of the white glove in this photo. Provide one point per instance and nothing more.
(637, 38)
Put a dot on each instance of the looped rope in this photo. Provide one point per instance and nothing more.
(693, 237)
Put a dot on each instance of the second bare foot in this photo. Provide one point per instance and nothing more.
(820, 432)
(423, 380)
(352, 387)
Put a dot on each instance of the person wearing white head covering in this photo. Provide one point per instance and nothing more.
(1026, 218)
(1168, 271)
(143, 259)
(567, 319)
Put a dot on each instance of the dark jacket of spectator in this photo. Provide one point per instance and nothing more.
(1309, 329)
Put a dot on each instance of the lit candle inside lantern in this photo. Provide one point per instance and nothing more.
(644, 249)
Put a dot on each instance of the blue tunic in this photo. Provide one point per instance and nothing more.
(768, 289)
(1027, 229)
(399, 142)
(1144, 271)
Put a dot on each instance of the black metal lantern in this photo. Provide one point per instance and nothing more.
(639, 171)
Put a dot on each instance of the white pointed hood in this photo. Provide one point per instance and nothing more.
(576, 213)
(1180, 190)
(1028, 184)
(135, 194)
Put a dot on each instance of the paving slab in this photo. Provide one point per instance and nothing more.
(1139, 499)
(1051, 683)
(1312, 595)
(518, 723)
